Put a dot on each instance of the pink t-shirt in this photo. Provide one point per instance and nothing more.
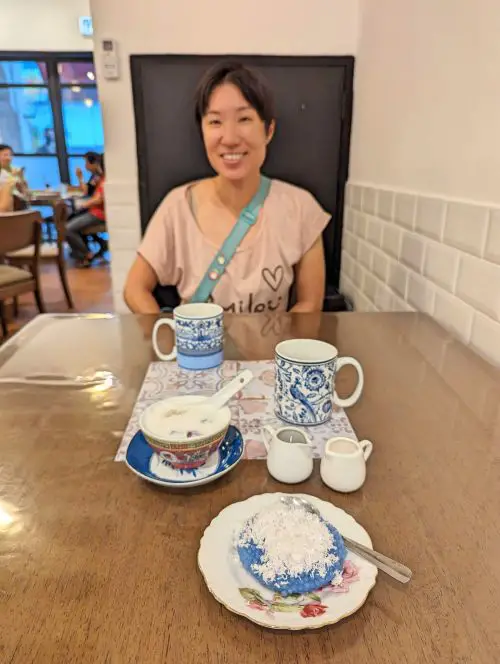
(260, 274)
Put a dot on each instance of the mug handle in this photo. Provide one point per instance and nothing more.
(267, 431)
(163, 356)
(367, 447)
(350, 401)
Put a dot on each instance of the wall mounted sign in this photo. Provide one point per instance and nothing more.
(86, 27)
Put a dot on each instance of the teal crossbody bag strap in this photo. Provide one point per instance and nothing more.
(222, 258)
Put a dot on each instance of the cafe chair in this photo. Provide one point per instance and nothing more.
(19, 230)
(49, 252)
(95, 233)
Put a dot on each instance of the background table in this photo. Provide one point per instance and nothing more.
(98, 566)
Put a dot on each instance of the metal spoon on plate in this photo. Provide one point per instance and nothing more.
(391, 567)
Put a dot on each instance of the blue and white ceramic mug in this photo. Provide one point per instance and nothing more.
(305, 381)
(199, 336)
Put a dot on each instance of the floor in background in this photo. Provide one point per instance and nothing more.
(91, 290)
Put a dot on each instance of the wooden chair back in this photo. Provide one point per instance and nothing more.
(60, 221)
(19, 230)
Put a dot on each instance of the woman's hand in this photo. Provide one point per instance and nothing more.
(310, 277)
(81, 183)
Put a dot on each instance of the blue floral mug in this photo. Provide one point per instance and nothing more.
(305, 381)
(199, 336)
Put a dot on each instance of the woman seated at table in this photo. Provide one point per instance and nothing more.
(93, 164)
(13, 177)
(234, 109)
(92, 214)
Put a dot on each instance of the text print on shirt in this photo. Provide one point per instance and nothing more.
(274, 279)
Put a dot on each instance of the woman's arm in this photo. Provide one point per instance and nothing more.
(310, 279)
(141, 282)
(22, 183)
(96, 199)
(81, 182)
(6, 200)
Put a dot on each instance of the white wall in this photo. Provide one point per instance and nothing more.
(427, 113)
(289, 27)
(43, 25)
(422, 223)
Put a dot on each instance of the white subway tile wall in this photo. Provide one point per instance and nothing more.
(365, 254)
(479, 285)
(398, 279)
(413, 251)
(407, 251)
(441, 265)
(421, 293)
(386, 205)
(381, 265)
(404, 212)
(492, 252)
(369, 200)
(361, 224)
(391, 240)
(466, 227)
(430, 217)
(454, 314)
(374, 231)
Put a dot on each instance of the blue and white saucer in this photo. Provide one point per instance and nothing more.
(145, 462)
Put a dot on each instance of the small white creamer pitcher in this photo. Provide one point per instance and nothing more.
(343, 466)
(289, 454)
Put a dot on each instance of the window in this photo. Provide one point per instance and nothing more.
(82, 120)
(50, 115)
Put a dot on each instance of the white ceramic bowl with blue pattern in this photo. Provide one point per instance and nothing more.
(183, 450)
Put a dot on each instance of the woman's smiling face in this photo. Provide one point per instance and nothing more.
(5, 158)
(234, 135)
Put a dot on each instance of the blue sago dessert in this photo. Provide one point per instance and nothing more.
(290, 550)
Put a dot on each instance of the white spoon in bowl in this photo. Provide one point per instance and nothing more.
(234, 386)
(188, 416)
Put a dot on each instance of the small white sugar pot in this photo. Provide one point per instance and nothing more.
(289, 454)
(343, 466)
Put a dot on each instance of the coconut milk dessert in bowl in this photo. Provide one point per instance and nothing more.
(182, 432)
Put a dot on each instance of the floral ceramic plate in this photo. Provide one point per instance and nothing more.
(239, 592)
(143, 461)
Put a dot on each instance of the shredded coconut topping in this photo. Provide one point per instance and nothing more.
(293, 542)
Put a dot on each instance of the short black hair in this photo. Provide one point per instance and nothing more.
(4, 146)
(93, 157)
(252, 85)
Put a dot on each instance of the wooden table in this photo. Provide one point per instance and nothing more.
(98, 566)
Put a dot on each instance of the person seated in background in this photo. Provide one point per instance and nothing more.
(93, 163)
(11, 175)
(92, 213)
(6, 197)
(235, 112)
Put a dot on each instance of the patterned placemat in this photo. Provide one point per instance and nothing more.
(251, 409)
